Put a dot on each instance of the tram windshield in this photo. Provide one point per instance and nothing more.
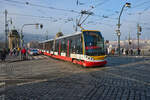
(94, 43)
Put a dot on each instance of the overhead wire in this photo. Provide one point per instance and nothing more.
(101, 3)
(66, 20)
(53, 8)
(35, 5)
(41, 6)
(30, 15)
(141, 4)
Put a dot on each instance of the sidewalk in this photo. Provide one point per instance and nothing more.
(10, 59)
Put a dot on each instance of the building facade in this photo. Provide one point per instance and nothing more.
(13, 39)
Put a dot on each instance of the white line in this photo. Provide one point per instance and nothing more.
(2, 83)
(36, 81)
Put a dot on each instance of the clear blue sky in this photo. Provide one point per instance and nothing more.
(105, 16)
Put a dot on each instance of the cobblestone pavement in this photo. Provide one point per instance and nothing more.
(44, 78)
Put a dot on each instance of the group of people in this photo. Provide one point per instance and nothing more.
(13, 52)
(130, 52)
(123, 51)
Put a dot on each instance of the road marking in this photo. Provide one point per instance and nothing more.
(2, 84)
(35, 81)
(40, 57)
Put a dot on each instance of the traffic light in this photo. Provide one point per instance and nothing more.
(140, 29)
(41, 26)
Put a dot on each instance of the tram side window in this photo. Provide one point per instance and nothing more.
(43, 46)
(79, 49)
(76, 45)
(51, 45)
(57, 45)
(40, 46)
(47, 45)
(63, 45)
(73, 45)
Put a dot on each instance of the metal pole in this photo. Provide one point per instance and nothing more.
(138, 35)
(21, 42)
(138, 40)
(21, 37)
(6, 28)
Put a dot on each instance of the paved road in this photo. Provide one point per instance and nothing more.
(44, 78)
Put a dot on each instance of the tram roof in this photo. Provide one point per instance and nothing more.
(76, 33)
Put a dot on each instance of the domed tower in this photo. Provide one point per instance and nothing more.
(13, 39)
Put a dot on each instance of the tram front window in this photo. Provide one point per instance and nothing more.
(94, 43)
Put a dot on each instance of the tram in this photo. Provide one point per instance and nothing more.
(85, 48)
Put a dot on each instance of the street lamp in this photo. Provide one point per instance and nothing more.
(118, 31)
(21, 35)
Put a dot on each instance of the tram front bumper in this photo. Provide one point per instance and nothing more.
(94, 64)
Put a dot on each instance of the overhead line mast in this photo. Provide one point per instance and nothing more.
(6, 28)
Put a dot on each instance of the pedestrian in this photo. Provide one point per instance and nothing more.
(143, 52)
(14, 51)
(127, 51)
(122, 50)
(138, 51)
(11, 52)
(8, 51)
(131, 52)
(18, 50)
(3, 54)
(23, 54)
(113, 51)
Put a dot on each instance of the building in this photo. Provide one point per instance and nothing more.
(33, 44)
(13, 39)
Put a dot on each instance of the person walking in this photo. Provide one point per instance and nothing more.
(3, 54)
(14, 51)
(127, 52)
(131, 52)
(18, 50)
(138, 51)
(23, 54)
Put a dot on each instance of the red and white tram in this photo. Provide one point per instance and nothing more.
(85, 48)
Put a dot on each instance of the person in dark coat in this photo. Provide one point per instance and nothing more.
(139, 51)
(131, 52)
(3, 54)
(127, 52)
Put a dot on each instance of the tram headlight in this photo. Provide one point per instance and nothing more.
(90, 58)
